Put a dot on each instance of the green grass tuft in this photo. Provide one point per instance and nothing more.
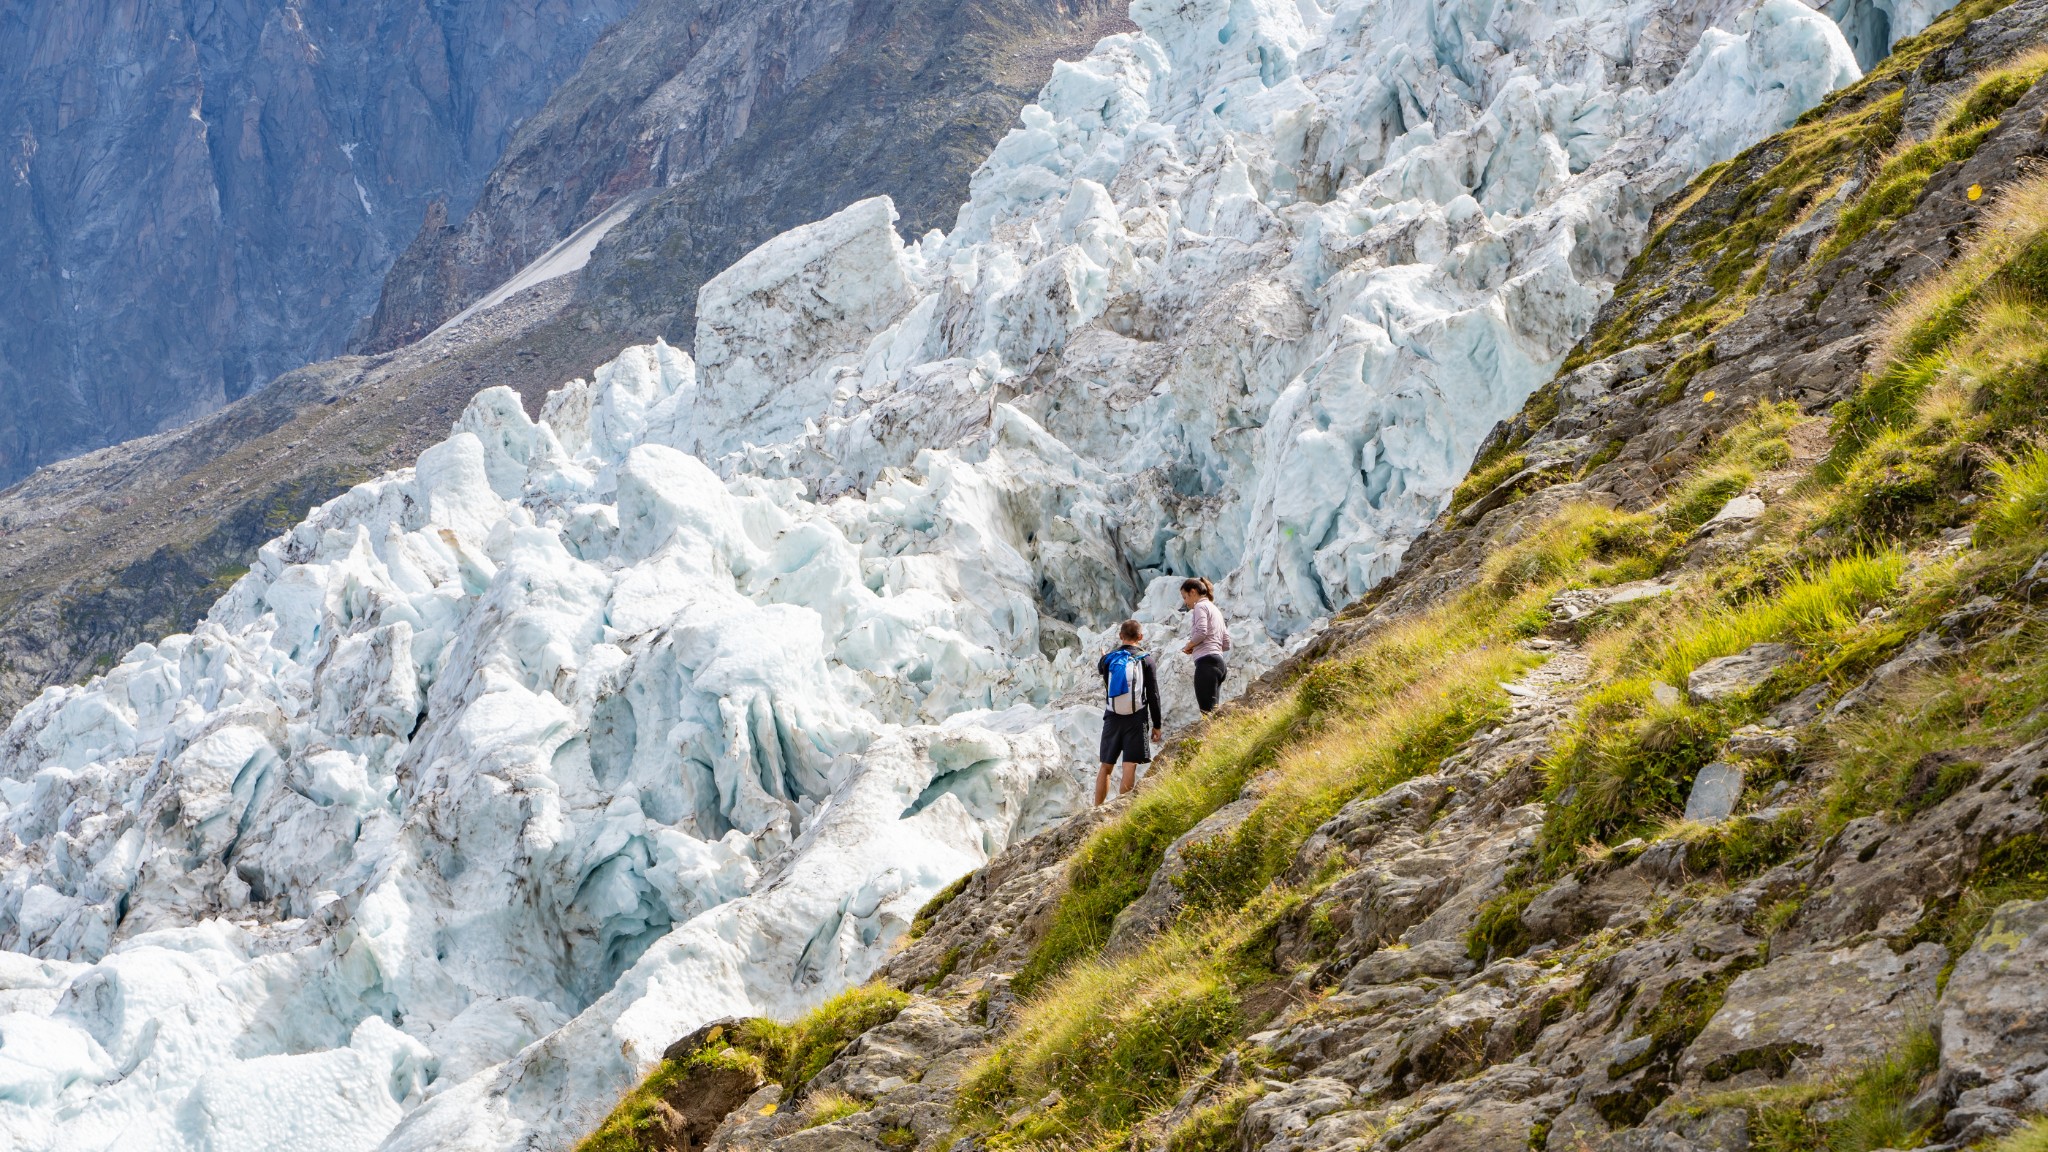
(1878, 1114)
(1485, 478)
(1622, 768)
(793, 1053)
(1115, 1040)
(2032, 1138)
(2019, 502)
(826, 1107)
(922, 922)
(1816, 608)
(1213, 1127)
(1872, 1105)
(1499, 931)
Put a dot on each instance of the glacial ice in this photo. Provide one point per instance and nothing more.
(500, 772)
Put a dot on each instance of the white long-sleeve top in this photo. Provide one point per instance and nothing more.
(1205, 621)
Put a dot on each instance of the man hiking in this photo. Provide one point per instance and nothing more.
(1133, 687)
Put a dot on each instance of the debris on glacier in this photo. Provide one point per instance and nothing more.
(499, 773)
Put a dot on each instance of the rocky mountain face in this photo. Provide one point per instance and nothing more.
(225, 185)
(1683, 791)
(749, 118)
(133, 542)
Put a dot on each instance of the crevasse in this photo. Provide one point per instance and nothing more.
(500, 772)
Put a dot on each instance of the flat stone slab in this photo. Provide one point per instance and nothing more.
(1715, 792)
(1811, 1014)
(1740, 510)
(1578, 603)
(1739, 674)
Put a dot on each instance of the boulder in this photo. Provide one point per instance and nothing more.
(1432, 959)
(925, 1042)
(697, 1103)
(719, 1031)
(1497, 1125)
(1756, 742)
(1994, 1022)
(1278, 1120)
(1573, 907)
(1737, 675)
(1816, 1013)
(1802, 709)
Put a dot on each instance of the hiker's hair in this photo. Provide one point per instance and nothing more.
(1200, 586)
(1130, 632)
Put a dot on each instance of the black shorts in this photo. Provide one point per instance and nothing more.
(1123, 738)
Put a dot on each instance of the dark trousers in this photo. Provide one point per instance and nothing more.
(1210, 672)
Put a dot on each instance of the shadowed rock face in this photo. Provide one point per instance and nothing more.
(911, 103)
(198, 196)
(663, 96)
(752, 117)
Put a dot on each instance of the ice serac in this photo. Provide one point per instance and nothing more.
(774, 329)
(499, 773)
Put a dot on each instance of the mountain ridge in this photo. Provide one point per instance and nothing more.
(252, 152)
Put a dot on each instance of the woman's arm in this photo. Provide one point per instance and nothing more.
(1198, 627)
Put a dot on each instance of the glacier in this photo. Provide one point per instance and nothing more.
(677, 700)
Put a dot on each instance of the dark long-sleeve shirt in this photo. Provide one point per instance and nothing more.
(1151, 686)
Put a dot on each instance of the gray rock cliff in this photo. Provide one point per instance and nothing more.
(198, 197)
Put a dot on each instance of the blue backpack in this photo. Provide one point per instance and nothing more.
(1126, 682)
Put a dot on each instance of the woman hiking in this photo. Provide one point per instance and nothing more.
(1208, 640)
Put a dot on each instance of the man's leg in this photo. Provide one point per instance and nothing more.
(1130, 779)
(1102, 784)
